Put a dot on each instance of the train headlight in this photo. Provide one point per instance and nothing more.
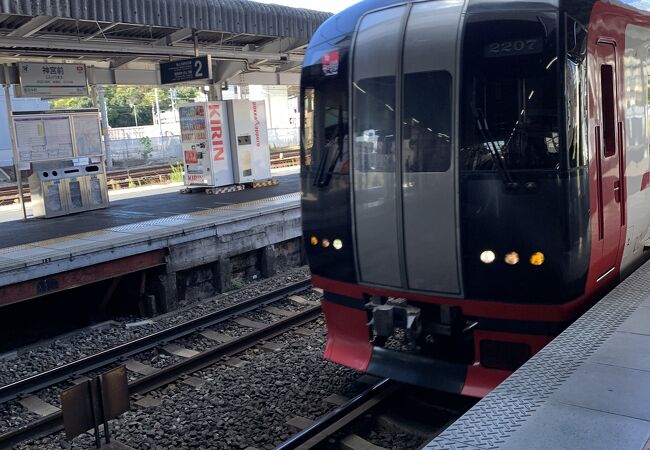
(313, 240)
(337, 244)
(325, 243)
(537, 259)
(512, 258)
(488, 257)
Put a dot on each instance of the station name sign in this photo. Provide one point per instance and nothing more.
(193, 69)
(53, 80)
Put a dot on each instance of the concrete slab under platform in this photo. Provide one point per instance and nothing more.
(78, 252)
(589, 388)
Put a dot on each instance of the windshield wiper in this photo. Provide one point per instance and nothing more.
(323, 177)
(493, 147)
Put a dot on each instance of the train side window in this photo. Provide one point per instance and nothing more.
(427, 122)
(307, 134)
(608, 105)
(575, 82)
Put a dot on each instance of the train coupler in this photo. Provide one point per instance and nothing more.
(392, 315)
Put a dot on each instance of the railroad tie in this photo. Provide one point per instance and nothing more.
(301, 301)
(149, 402)
(336, 400)
(302, 331)
(38, 406)
(177, 350)
(214, 336)
(271, 347)
(254, 324)
(195, 382)
(140, 368)
(354, 442)
(299, 423)
(279, 311)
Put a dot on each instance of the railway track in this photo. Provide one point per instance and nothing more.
(122, 179)
(394, 414)
(336, 420)
(54, 422)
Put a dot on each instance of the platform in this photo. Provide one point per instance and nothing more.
(588, 389)
(170, 230)
(129, 207)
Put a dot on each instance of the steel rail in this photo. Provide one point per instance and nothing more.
(54, 422)
(120, 352)
(335, 420)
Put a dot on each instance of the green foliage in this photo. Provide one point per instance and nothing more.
(71, 103)
(177, 175)
(147, 147)
(125, 102)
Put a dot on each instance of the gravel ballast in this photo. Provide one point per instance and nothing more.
(55, 353)
(236, 407)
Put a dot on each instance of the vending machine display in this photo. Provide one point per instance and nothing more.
(206, 145)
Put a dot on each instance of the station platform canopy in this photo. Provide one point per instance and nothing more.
(122, 41)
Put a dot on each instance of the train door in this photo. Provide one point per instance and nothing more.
(404, 183)
(429, 194)
(609, 160)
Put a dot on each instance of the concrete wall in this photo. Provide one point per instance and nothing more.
(241, 251)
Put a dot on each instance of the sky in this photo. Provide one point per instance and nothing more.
(641, 4)
(333, 6)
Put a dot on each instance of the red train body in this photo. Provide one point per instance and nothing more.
(474, 177)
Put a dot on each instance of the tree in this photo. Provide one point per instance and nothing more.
(125, 103)
(71, 103)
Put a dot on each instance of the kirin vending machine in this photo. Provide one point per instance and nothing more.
(206, 144)
(249, 140)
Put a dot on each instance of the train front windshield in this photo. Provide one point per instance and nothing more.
(510, 106)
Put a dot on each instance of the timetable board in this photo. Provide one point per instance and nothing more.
(43, 137)
(87, 135)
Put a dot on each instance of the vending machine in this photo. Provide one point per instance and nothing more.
(249, 140)
(206, 144)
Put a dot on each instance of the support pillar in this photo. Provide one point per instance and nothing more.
(222, 276)
(267, 261)
(163, 286)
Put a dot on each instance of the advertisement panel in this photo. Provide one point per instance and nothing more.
(220, 144)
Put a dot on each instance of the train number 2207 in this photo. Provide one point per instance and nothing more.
(514, 47)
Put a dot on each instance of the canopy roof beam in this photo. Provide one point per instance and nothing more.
(34, 25)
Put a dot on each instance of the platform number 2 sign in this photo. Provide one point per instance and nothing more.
(198, 69)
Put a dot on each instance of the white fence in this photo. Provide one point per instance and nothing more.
(127, 152)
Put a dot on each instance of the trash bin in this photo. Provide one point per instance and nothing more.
(48, 193)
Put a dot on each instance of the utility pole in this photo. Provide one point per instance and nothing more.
(105, 126)
(172, 94)
(14, 141)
